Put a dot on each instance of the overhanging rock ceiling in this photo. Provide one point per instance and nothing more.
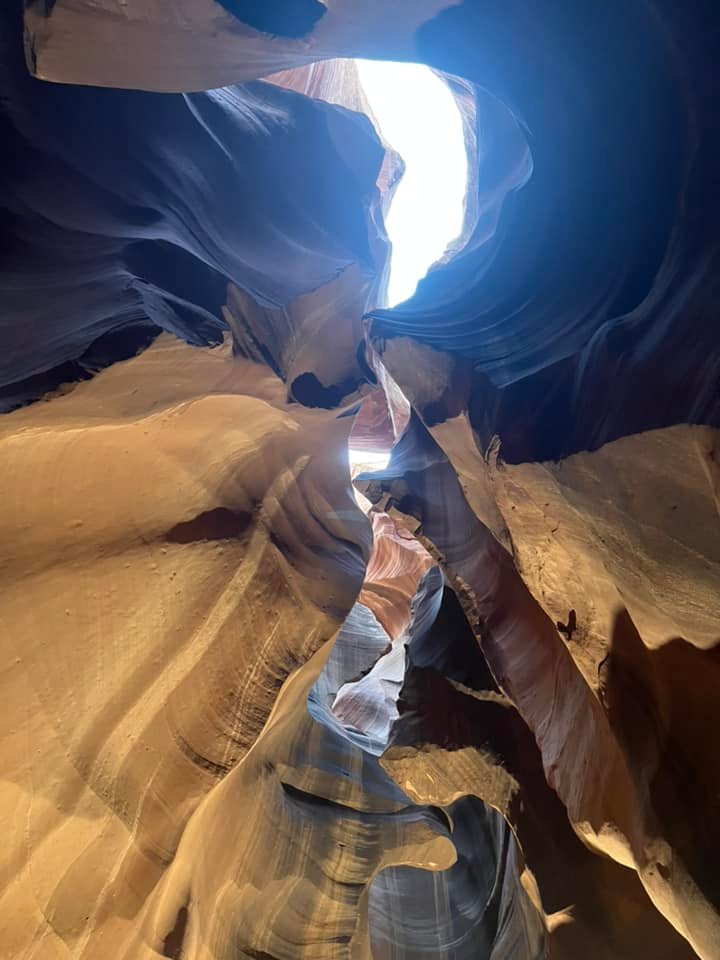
(244, 716)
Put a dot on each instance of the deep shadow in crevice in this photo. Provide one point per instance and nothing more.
(361, 357)
(309, 392)
(177, 272)
(218, 524)
(281, 18)
(112, 347)
(450, 647)
(173, 943)
(46, 6)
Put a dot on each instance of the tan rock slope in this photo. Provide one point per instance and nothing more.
(146, 636)
(465, 709)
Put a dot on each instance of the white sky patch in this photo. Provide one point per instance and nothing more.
(418, 117)
(368, 460)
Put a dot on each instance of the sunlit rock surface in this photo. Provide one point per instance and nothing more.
(170, 623)
(466, 710)
(614, 780)
(201, 44)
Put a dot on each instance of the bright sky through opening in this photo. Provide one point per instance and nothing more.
(418, 117)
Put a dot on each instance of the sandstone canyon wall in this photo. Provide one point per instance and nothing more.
(464, 708)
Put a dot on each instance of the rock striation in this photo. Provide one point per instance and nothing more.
(463, 708)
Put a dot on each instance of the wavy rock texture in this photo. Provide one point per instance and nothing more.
(584, 310)
(454, 735)
(396, 565)
(291, 339)
(480, 904)
(476, 908)
(319, 821)
(601, 783)
(243, 717)
(374, 430)
(393, 576)
(338, 81)
(608, 551)
(147, 637)
(135, 211)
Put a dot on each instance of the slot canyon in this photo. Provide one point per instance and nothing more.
(347, 617)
